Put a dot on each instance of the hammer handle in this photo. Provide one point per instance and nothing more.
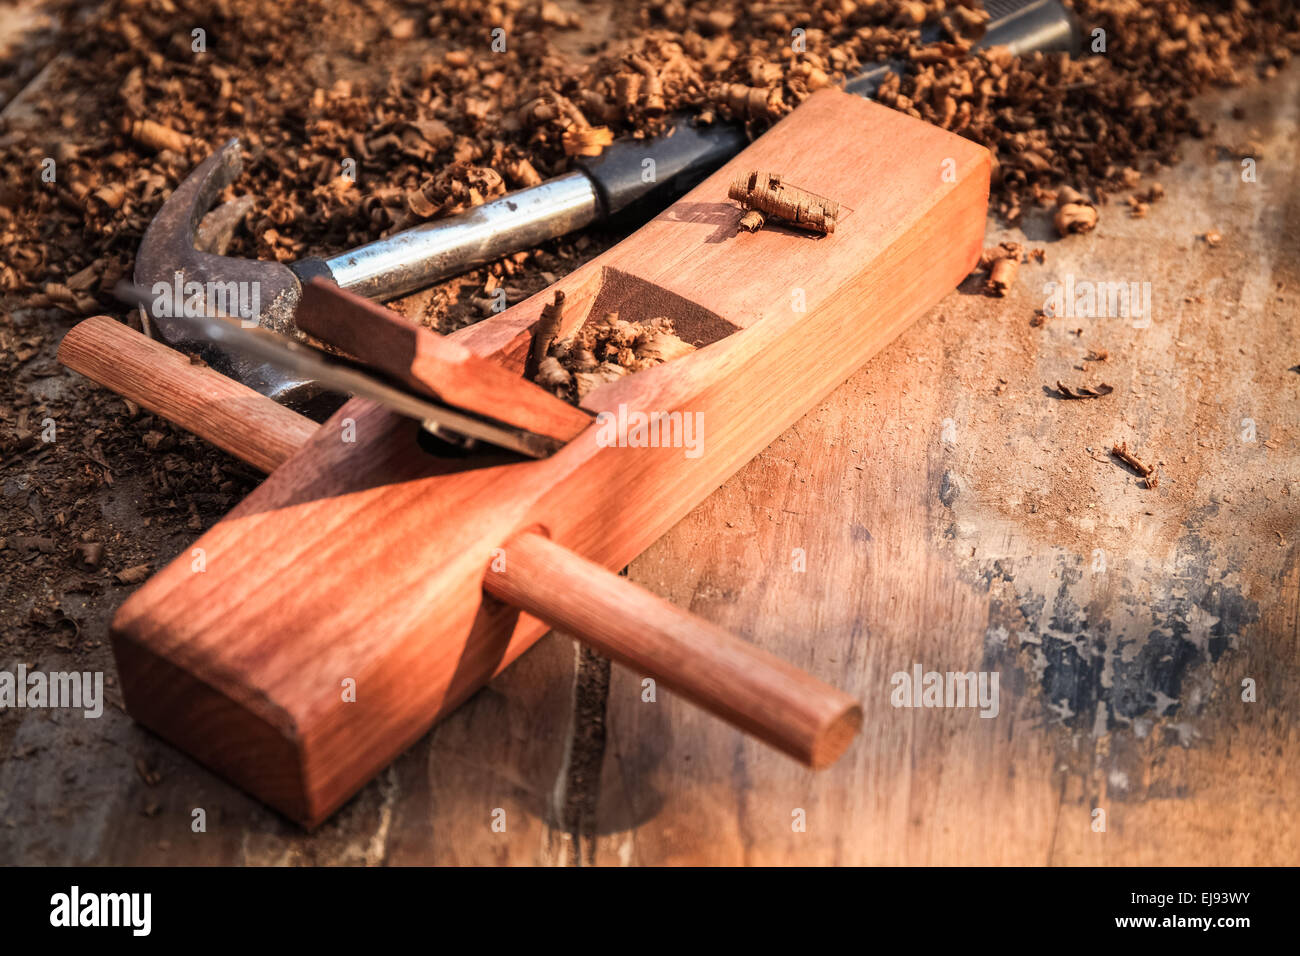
(232, 416)
(750, 688)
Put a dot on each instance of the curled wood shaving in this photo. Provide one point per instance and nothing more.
(1083, 391)
(586, 142)
(1120, 451)
(605, 350)
(156, 136)
(652, 90)
(767, 193)
(1003, 265)
(522, 174)
(1074, 213)
(749, 102)
(459, 187)
(552, 375)
(1002, 276)
(548, 326)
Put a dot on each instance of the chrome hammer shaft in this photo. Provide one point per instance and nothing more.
(423, 255)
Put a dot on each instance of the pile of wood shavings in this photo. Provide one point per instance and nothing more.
(606, 350)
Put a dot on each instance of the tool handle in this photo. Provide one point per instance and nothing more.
(432, 251)
(745, 685)
(232, 416)
(752, 689)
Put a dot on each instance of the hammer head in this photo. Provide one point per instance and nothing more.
(184, 278)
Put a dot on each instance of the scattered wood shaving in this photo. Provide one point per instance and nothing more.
(1148, 472)
(1083, 391)
(586, 142)
(156, 137)
(1002, 262)
(133, 575)
(1002, 277)
(1074, 212)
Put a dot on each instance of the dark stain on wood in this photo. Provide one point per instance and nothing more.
(949, 489)
(1141, 652)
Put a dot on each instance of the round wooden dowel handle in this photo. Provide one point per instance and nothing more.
(232, 416)
(752, 689)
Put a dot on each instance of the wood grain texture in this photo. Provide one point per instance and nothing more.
(431, 364)
(363, 560)
(954, 514)
(230, 415)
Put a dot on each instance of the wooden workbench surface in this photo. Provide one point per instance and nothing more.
(942, 508)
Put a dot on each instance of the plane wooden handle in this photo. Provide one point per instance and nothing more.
(745, 685)
(754, 690)
(232, 416)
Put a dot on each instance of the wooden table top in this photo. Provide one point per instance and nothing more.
(943, 508)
